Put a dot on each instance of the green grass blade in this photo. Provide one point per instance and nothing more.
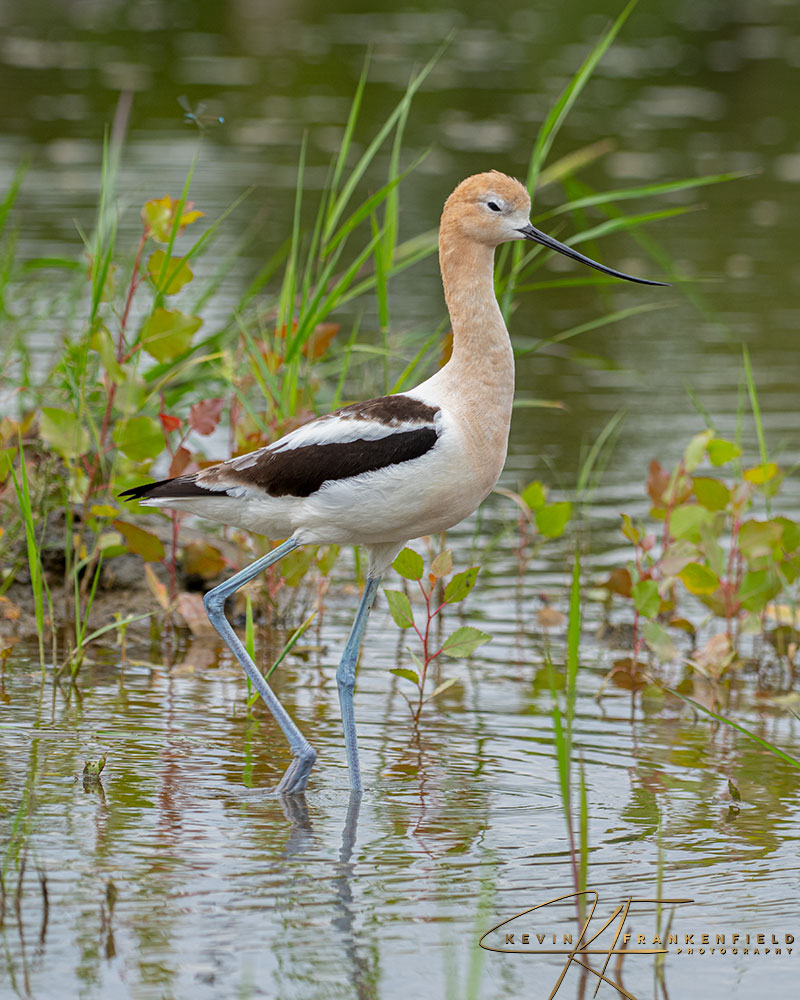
(298, 632)
(751, 391)
(347, 138)
(643, 191)
(573, 640)
(560, 110)
(341, 202)
(794, 761)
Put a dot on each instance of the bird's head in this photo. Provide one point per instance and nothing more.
(489, 208)
(493, 208)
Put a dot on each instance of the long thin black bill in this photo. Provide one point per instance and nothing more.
(531, 233)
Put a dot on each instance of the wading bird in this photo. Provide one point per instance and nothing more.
(390, 469)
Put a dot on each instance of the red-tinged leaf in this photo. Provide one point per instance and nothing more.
(191, 607)
(143, 543)
(657, 482)
(8, 610)
(320, 340)
(442, 565)
(203, 559)
(628, 673)
(548, 617)
(168, 422)
(619, 582)
(181, 461)
(205, 415)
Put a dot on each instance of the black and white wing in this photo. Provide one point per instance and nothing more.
(354, 440)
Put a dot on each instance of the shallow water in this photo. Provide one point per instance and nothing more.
(222, 890)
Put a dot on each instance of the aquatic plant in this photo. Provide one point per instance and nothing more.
(712, 538)
(436, 595)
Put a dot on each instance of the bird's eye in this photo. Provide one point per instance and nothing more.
(493, 206)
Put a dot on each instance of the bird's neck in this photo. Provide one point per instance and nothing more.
(482, 360)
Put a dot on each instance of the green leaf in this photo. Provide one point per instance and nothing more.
(102, 342)
(790, 540)
(711, 493)
(646, 598)
(461, 584)
(159, 216)
(63, 432)
(406, 674)
(167, 334)
(721, 451)
(658, 639)
(699, 579)
(141, 542)
(440, 688)
(535, 494)
(176, 273)
(139, 438)
(696, 449)
(409, 565)
(552, 519)
(676, 556)
(758, 587)
(400, 608)
(630, 531)
(761, 474)
(442, 565)
(687, 520)
(716, 558)
(464, 641)
(758, 539)
(295, 565)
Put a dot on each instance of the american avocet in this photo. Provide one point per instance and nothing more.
(390, 469)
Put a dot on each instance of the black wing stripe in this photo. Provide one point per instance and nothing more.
(302, 471)
(299, 472)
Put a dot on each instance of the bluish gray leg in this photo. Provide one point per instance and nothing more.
(346, 680)
(296, 776)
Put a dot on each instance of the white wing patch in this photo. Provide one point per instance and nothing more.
(342, 429)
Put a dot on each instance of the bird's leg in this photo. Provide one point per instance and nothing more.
(346, 679)
(296, 776)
